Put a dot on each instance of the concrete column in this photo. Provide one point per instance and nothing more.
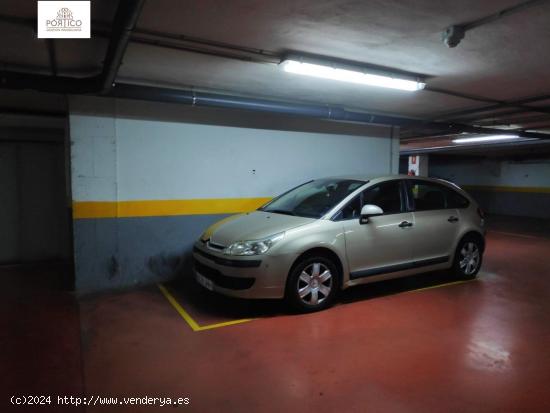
(418, 165)
(394, 150)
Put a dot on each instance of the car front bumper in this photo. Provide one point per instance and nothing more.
(262, 276)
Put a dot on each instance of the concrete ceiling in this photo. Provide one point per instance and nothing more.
(505, 60)
(512, 150)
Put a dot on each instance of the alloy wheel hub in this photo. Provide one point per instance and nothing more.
(470, 258)
(314, 284)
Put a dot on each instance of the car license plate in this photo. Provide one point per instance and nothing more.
(205, 282)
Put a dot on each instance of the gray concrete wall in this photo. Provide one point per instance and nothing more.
(119, 252)
(519, 188)
(147, 178)
(521, 204)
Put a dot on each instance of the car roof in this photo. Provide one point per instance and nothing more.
(381, 178)
(375, 179)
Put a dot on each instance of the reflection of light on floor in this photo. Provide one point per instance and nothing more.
(492, 340)
(487, 355)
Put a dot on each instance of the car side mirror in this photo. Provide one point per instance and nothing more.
(368, 211)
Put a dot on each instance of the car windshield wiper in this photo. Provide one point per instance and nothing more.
(280, 211)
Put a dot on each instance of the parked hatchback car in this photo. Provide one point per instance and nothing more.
(333, 233)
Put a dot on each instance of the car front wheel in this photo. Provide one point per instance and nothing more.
(312, 284)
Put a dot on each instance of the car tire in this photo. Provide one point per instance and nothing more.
(468, 258)
(312, 284)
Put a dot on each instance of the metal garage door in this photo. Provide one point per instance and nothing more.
(33, 214)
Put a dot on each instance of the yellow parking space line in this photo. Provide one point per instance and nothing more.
(189, 320)
(513, 234)
(224, 324)
(192, 323)
(196, 327)
(443, 285)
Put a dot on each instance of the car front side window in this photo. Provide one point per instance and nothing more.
(386, 195)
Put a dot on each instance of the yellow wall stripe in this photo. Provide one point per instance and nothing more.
(488, 188)
(127, 209)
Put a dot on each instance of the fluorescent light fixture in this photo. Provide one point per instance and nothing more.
(486, 138)
(352, 76)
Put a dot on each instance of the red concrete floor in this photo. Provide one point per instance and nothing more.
(479, 346)
(39, 337)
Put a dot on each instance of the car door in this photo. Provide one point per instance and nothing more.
(383, 244)
(435, 226)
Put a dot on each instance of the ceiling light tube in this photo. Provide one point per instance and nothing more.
(490, 138)
(328, 71)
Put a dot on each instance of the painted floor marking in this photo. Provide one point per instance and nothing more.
(196, 327)
(513, 234)
(189, 320)
(442, 285)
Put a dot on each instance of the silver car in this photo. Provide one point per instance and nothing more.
(333, 233)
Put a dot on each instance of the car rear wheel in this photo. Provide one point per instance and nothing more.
(312, 284)
(468, 258)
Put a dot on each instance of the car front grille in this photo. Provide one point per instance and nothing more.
(214, 246)
(227, 261)
(225, 281)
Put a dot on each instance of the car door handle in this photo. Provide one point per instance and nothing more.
(405, 224)
(452, 219)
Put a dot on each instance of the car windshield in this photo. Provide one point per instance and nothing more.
(313, 199)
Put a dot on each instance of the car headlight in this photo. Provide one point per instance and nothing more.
(253, 247)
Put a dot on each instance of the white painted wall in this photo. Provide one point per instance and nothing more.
(160, 160)
(121, 158)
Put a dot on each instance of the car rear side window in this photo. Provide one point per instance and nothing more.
(429, 196)
(455, 200)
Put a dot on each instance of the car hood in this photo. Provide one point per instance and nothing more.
(251, 226)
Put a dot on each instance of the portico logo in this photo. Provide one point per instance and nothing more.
(64, 19)
(64, 22)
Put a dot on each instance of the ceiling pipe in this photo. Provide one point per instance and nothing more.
(51, 54)
(18, 21)
(40, 135)
(496, 104)
(493, 108)
(503, 115)
(8, 111)
(197, 98)
(47, 83)
(525, 121)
